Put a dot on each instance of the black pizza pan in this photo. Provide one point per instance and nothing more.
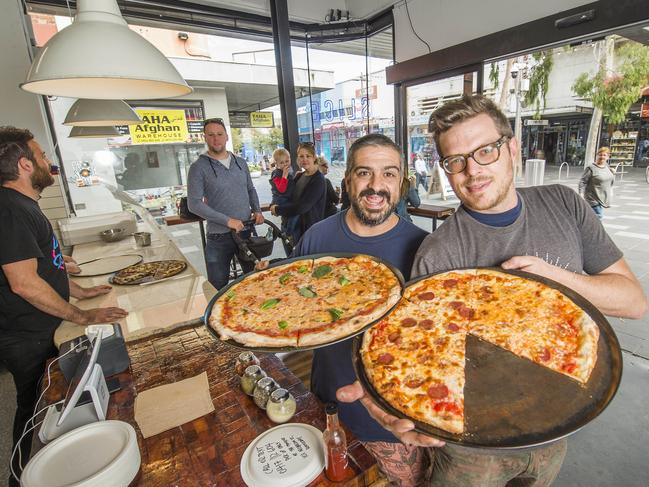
(147, 279)
(512, 403)
(235, 344)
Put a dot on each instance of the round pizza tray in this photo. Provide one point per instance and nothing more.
(148, 279)
(512, 403)
(235, 344)
(112, 264)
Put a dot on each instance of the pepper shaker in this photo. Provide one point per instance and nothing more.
(263, 390)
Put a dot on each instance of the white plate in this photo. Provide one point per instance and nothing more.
(288, 455)
(101, 454)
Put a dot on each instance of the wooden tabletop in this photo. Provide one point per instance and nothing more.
(208, 450)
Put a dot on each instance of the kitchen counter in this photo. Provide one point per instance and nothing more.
(207, 451)
(165, 305)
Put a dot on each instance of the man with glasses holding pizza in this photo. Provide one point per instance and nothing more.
(546, 230)
(220, 190)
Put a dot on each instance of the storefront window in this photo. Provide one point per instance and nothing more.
(421, 100)
(357, 104)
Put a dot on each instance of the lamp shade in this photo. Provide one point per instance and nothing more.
(96, 113)
(91, 132)
(99, 57)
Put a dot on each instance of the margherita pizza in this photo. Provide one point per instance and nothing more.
(149, 271)
(306, 302)
(415, 357)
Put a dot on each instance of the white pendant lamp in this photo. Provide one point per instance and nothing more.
(99, 57)
(95, 113)
(92, 132)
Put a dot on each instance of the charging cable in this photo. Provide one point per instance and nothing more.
(28, 429)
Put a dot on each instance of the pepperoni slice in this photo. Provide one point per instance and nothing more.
(385, 358)
(545, 356)
(569, 367)
(466, 312)
(425, 358)
(452, 327)
(426, 324)
(439, 391)
(426, 296)
(394, 336)
(456, 304)
(408, 322)
(414, 383)
(449, 283)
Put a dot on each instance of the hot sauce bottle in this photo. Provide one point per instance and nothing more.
(336, 462)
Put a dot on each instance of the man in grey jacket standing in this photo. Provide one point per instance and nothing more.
(220, 190)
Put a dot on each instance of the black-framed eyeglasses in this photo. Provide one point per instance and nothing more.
(485, 155)
(208, 121)
(307, 144)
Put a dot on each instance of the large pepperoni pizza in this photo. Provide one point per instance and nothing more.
(415, 357)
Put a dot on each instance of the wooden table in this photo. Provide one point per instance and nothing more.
(432, 211)
(208, 450)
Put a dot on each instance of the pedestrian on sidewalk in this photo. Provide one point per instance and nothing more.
(596, 183)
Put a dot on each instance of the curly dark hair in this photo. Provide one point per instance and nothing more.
(13, 146)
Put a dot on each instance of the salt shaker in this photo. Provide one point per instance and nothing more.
(244, 360)
(250, 378)
(281, 406)
(263, 390)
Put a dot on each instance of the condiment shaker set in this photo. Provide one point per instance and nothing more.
(279, 404)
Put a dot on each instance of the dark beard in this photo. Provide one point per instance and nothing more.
(41, 178)
(372, 219)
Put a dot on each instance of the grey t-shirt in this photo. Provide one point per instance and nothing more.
(555, 224)
(597, 185)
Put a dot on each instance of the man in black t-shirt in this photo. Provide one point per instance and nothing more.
(34, 287)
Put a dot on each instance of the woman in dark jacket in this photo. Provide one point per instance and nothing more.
(309, 193)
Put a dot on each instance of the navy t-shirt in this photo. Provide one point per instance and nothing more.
(332, 366)
(25, 233)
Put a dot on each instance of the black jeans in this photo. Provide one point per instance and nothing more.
(219, 250)
(25, 359)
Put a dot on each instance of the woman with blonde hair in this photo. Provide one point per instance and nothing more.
(596, 183)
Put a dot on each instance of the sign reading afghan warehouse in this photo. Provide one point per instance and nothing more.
(160, 126)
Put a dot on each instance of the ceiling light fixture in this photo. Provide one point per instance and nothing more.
(99, 57)
(100, 113)
(92, 132)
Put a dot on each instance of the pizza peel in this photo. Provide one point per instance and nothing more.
(235, 344)
(512, 403)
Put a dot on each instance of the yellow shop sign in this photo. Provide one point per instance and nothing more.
(261, 119)
(160, 126)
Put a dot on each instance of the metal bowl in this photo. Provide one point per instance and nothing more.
(113, 234)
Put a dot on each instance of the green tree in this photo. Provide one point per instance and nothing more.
(614, 91)
(539, 81)
(260, 141)
(237, 142)
(276, 137)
